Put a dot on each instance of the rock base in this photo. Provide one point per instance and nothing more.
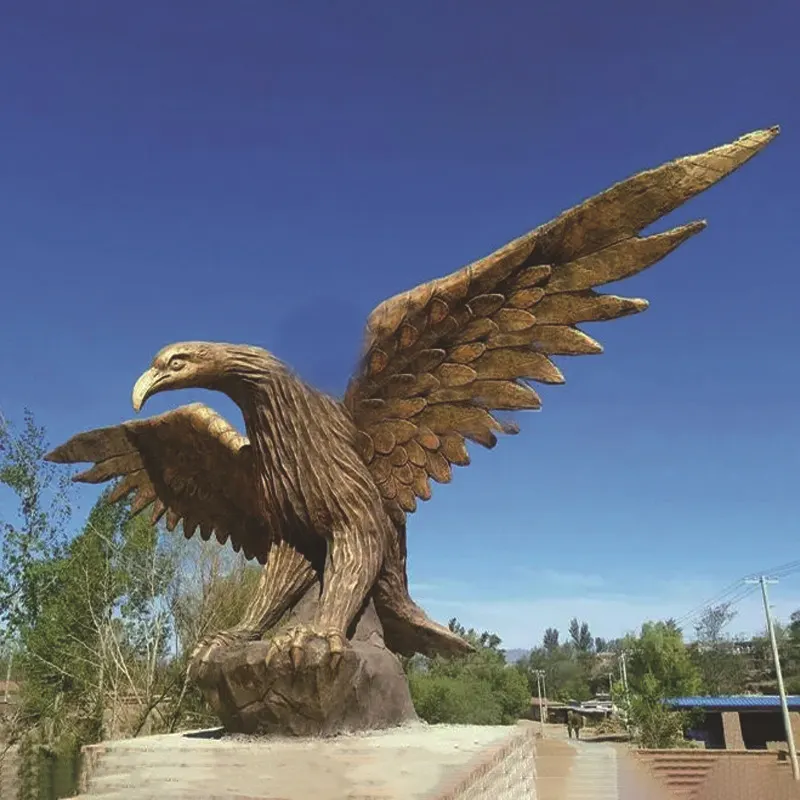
(368, 689)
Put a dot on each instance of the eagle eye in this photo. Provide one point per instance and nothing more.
(176, 363)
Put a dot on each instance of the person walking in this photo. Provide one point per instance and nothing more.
(574, 724)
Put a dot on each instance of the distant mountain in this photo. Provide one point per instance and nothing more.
(516, 654)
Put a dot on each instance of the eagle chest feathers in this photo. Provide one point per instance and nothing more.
(307, 468)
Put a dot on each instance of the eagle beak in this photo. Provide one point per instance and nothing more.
(144, 387)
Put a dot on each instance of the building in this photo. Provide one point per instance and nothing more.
(740, 722)
(555, 712)
(598, 708)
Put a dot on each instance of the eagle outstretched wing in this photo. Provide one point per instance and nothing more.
(190, 463)
(439, 359)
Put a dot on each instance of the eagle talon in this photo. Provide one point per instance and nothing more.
(275, 646)
(295, 642)
(201, 655)
(336, 644)
(296, 655)
(299, 639)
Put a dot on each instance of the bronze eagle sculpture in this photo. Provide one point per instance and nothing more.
(319, 490)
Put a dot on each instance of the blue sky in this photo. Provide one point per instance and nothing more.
(269, 172)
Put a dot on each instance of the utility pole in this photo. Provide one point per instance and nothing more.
(544, 695)
(539, 674)
(624, 670)
(779, 675)
(8, 671)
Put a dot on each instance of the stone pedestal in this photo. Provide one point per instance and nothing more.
(425, 762)
(794, 719)
(367, 690)
(732, 728)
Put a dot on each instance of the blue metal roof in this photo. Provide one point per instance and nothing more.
(734, 702)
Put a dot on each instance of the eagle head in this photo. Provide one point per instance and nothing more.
(199, 365)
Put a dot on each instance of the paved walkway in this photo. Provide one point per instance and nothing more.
(596, 771)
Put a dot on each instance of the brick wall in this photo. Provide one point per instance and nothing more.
(680, 771)
(507, 772)
(750, 776)
(722, 774)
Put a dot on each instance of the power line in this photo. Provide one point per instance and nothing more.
(741, 593)
(719, 598)
(792, 566)
(728, 604)
(737, 591)
(786, 572)
(734, 594)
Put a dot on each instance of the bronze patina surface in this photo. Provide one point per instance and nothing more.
(319, 490)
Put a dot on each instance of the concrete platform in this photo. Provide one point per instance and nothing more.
(414, 762)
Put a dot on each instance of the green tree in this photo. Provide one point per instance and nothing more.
(580, 635)
(63, 686)
(37, 531)
(210, 591)
(62, 650)
(567, 671)
(103, 632)
(550, 640)
(722, 670)
(659, 651)
(791, 657)
(659, 667)
(710, 628)
(656, 726)
(31, 535)
(479, 688)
